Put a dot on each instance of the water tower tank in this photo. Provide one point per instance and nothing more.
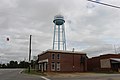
(59, 20)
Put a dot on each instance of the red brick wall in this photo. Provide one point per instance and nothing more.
(110, 56)
(43, 57)
(67, 61)
(53, 60)
(94, 63)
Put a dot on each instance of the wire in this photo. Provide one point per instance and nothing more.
(105, 4)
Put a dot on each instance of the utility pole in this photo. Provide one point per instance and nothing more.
(115, 49)
(29, 54)
(104, 4)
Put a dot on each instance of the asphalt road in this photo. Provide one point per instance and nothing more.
(14, 74)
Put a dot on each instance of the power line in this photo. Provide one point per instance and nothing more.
(105, 4)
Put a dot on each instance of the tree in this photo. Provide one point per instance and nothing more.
(23, 64)
(4, 66)
(12, 64)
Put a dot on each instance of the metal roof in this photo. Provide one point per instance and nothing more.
(115, 59)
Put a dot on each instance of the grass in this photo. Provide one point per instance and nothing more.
(112, 72)
(34, 72)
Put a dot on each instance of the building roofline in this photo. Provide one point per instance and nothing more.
(104, 55)
(62, 51)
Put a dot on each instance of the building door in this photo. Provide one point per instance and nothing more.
(115, 66)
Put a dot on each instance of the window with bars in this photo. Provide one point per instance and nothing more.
(53, 66)
(53, 56)
(58, 56)
(58, 66)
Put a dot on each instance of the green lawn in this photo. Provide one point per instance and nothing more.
(34, 72)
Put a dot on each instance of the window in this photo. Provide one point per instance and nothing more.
(58, 56)
(58, 66)
(53, 56)
(53, 66)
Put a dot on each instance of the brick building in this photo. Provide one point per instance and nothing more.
(106, 62)
(62, 61)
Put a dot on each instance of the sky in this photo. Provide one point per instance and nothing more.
(90, 27)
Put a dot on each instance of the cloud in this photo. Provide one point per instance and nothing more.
(87, 29)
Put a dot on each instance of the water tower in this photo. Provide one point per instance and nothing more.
(59, 40)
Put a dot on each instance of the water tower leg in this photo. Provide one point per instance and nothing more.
(54, 37)
(58, 37)
(64, 37)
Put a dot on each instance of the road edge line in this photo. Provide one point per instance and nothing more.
(44, 78)
(20, 71)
